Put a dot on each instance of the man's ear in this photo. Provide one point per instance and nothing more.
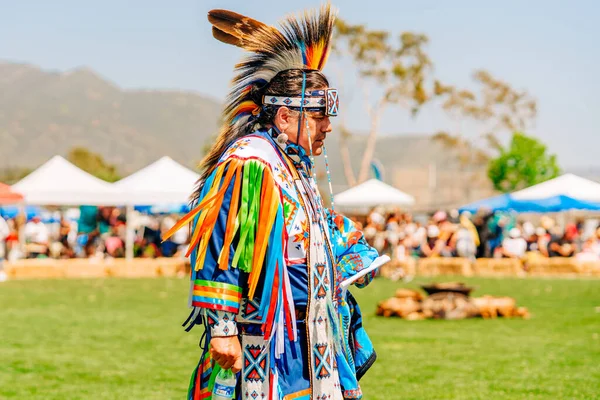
(283, 118)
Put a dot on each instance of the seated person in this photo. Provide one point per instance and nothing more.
(514, 246)
(433, 246)
(36, 237)
(561, 245)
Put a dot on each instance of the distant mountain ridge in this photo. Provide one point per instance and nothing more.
(44, 113)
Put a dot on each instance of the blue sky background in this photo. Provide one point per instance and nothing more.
(550, 48)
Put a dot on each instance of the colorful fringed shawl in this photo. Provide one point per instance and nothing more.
(256, 216)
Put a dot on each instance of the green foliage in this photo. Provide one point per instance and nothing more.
(499, 106)
(399, 66)
(523, 163)
(122, 339)
(93, 163)
(12, 175)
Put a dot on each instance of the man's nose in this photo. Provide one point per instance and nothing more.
(326, 125)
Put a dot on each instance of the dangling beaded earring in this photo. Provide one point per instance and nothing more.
(328, 172)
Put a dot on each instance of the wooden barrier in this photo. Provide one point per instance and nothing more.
(489, 267)
(557, 266)
(444, 266)
(396, 269)
(34, 269)
(498, 267)
(90, 268)
(85, 269)
(145, 267)
(590, 268)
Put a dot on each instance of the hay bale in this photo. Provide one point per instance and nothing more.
(590, 268)
(84, 269)
(396, 270)
(498, 267)
(170, 267)
(444, 266)
(44, 268)
(138, 268)
(409, 266)
(94, 268)
(555, 266)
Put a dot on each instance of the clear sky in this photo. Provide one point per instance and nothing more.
(548, 47)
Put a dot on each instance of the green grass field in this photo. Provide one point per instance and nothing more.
(121, 339)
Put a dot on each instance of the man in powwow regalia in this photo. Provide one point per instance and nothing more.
(267, 257)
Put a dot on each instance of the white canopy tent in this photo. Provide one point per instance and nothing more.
(60, 183)
(569, 185)
(163, 182)
(373, 193)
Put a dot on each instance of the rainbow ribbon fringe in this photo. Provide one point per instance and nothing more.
(256, 218)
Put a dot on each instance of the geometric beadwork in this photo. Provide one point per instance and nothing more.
(320, 281)
(317, 99)
(302, 236)
(250, 310)
(353, 262)
(290, 208)
(221, 323)
(322, 361)
(333, 103)
(255, 363)
(211, 318)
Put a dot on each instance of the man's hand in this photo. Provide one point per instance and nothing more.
(361, 281)
(227, 352)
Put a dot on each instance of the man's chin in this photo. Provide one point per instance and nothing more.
(317, 151)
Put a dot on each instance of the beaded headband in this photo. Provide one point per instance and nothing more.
(315, 100)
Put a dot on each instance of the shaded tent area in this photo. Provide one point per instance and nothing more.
(548, 205)
(163, 187)
(565, 193)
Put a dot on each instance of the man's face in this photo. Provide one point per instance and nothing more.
(315, 124)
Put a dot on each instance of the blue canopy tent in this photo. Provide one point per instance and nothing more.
(496, 203)
(549, 205)
(164, 209)
(554, 204)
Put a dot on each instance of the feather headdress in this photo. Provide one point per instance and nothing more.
(301, 43)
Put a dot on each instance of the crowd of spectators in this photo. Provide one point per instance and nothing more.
(100, 232)
(97, 232)
(482, 235)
